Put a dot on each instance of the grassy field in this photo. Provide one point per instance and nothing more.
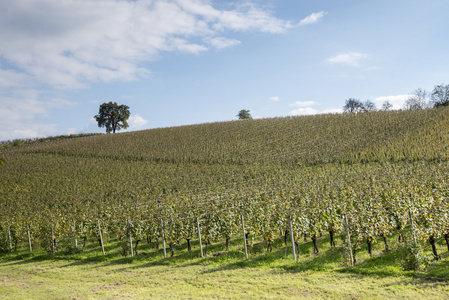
(74, 280)
(90, 275)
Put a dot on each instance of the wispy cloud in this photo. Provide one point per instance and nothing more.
(19, 109)
(72, 43)
(349, 59)
(222, 42)
(312, 18)
(275, 98)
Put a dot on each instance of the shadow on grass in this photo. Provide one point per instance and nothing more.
(383, 265)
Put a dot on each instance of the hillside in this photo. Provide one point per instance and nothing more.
(375, 167)
(378, 136)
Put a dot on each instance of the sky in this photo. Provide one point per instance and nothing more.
(181, 62)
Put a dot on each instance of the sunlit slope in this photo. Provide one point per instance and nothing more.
(364, 137)
(309, 169)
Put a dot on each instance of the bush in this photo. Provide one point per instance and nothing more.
(73, 248)
(412, 258)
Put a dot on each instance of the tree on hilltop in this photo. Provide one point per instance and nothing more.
(113, 116)
(387, 105)
(440, 95)
(369, 106)
(353, 106)
(417, 100)
(244, 114)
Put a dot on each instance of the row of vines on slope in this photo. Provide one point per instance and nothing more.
(375, 167)
(376, 197)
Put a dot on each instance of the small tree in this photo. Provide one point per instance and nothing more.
(353, 106)
(369, 106)
(244, 114)
(417, 100)
(113, 116)
(440, 95)
(387, 105)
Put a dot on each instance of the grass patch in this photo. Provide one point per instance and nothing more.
(220, 274)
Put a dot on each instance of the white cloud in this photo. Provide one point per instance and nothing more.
(397, 101)
(304, 111)
(303, 108)
(136, 122)
(69, 44)
(303, 103)
(350, 59)
(275, 98)
(183, 45)
(332, 111)
(250, 17)
(312, 18)
(221, 42)
(71, 131)
(12, 78)
(33, 130)
(19, 110)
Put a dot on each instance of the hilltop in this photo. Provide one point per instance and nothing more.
(306, 140)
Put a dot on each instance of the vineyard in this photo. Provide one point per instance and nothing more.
(366, 176)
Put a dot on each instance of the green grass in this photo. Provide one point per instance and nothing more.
(275, 275)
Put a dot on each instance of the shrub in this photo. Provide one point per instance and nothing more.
(412, 258)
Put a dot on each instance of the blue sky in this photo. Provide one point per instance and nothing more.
(179, 62)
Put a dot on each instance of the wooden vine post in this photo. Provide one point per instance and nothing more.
(244, 237)
(101, 237)
(74, 234)
(199, 235)
(163, 239)
(412, 224)
(9, 238)
(348, 236)
(130, 238)
(52, 237)
(292, 238)
(162, 232)
(29, 237)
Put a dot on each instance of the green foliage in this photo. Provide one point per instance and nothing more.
(412, 258)
(73, 249)
(244, 114)
(113, 116)
(47, 240)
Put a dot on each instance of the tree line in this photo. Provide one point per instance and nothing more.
(114, 117)
(418, 99)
